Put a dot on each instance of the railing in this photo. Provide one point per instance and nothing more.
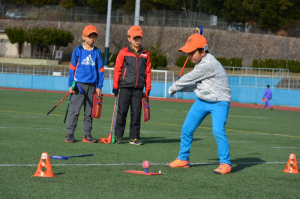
(238, 76)
(274, 72)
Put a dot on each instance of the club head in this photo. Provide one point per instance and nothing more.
(57, 157)
(105, 141)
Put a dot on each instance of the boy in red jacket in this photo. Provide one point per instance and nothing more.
(132, 73)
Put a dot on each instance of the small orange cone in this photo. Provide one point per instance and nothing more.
(46, 164)
(291, 166)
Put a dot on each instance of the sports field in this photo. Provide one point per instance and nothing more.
(260, 144)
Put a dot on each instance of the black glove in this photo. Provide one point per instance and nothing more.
(115, 92)
(147, 93)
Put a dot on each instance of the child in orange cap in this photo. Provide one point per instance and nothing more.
(209, 81)
(132, 73)
(86, 68)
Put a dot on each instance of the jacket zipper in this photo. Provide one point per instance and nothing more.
(137, 68)
(124, 73)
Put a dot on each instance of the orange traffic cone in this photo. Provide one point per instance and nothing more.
(46, 164)
(291, 166)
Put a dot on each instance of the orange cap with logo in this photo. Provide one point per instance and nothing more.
(135, 31)
(194, 42)
(89, 30)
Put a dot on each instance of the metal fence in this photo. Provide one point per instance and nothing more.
(273, 72)
(238, 76)
(63, 71)
(120, 16)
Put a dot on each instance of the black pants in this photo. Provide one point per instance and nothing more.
(129, 97)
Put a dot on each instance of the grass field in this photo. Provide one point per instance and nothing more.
(260, 144)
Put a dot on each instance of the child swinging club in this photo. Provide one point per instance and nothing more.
(209, 81)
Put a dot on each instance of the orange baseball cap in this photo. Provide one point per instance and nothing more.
(135, 31)
(194, 42)
(89, 29)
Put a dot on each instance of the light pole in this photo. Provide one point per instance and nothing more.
(137, 12)
(106, 51)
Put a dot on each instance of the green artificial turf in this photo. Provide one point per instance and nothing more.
(260, 144)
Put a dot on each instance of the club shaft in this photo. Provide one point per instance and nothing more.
(201, 30)
(115, 114)
(51, 110)
(58, 103)
(80, 155)
(183, 67)
(62, 99)
(67, 109)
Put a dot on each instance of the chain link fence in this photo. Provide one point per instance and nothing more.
(120, 16)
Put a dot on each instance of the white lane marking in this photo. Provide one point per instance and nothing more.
(285, 147)
(130, 164)
(4, 127)
(249, 116)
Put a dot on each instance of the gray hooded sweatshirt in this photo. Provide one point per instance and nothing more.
(208, 80)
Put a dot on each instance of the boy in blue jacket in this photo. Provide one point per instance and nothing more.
(86, 68)
(268, 96)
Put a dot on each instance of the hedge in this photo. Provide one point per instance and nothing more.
(234, 61)
(181, 60)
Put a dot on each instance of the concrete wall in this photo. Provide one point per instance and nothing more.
(239, 94)
(221, 43)
(8, 49)
(28, 61)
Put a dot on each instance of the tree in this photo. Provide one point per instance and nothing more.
(64, 37)
(213, 7)
(16, 35)
(67, 3)
(36, 2)
(234, 12)
(154, 5)
(278, 14)
(252, 8)
(44, 37)
(98, 5)
(36, 36)
(270, 14)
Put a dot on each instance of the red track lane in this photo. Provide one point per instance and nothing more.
(285, 108)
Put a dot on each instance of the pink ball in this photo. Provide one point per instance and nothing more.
(146, 164)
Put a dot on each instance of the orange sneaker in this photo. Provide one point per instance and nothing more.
(223, 169)
(89, 138)
(179, 163)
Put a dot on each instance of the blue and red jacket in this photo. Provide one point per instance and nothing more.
(132, 70)
(86, 67)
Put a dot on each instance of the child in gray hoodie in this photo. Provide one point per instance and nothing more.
(209, 81)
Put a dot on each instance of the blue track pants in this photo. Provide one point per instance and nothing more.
(267, 103)
(199, 110)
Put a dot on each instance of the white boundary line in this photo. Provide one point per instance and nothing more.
(130, 164)
(285, 147)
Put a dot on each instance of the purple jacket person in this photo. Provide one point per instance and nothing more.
(268, 96)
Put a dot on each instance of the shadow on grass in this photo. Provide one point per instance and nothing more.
(57, 174)
(151, 140)
(241, 163)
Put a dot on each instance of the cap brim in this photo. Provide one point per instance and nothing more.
(187, 49)
(136, 36)
(92, 32)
